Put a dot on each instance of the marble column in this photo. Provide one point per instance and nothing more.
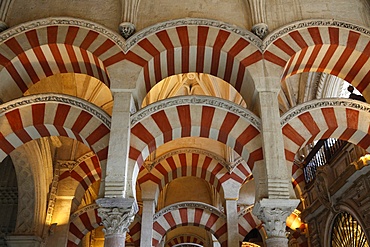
(149, 193)
(147, 222)
(232, 222)
(117, 214)
(231, 193)
(273, 213)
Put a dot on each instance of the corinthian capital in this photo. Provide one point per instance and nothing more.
(116, 214)
(273, 212)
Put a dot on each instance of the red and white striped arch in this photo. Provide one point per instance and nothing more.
(81, 222)
(184, 46)
(85, 173)
(47, 47)
(135, 230)
(337, 48)
(246, 223)
(192, 164)
(190, 214)
(343, 119)
(186, 238)
(36, 116)
(180, 117)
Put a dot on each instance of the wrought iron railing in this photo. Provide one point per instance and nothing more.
(321, 154)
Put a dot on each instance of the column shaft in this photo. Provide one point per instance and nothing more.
(147, 222)
(232, 222)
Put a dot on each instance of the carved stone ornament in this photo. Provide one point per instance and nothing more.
(126, 29)
(273, 213)
(3, 26)
(260, 29)
(116, 220)
(117, 214)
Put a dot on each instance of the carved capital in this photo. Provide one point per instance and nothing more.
(126, 29)
(3, 26)
(260, 29)
(117, 214)
(273, 213)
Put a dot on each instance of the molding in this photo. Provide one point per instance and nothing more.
(197, 100)
(85, 209)
(190, 204)
(136, 38)
(58, 98)
(320, 103)
(270, 38)
(62, 21)
(244, 209)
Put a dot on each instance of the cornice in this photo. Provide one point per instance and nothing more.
(57, 98)
(196, 100)
(321, 103)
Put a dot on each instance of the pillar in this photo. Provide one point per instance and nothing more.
(149, 193)
(273, 180)
(116, 178)
(117, 214)
(273, 213)
(232, 222)
(231, 192)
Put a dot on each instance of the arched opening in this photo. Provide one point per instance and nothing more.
(193, 84)
(346, 231)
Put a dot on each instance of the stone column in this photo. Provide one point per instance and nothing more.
(149, 193)
(231, 190)
(274, 176)
(273, 213)
(117, 214)
(232, 222)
